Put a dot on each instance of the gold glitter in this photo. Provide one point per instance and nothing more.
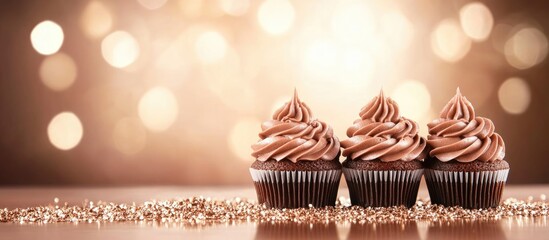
(206, 211)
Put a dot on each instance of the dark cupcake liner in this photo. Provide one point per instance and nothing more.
(371, 188)
(296, 189)
(472, 190)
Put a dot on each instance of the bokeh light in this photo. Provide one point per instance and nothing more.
(47, 37)
(526, 48)
(210, 47)
(514, 95)
(227, 82)
(279, 102)
(58, 72)
(424, 120)
(276, 16)
(65, 131)
(158, 109)
(120, 49)
(449, 42)
(191, 8)
(413, 99)
(321, 58)
(235, 7)
(152, 77)
(243, 134)
(398, 29)
(96, 20)
(152, 4)
(353, 22)
(129, 136)
(499, 36)
(476, 20)
(356, 64)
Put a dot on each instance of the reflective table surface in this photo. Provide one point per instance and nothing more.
(10, 198)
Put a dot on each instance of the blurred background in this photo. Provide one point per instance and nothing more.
(148, 92)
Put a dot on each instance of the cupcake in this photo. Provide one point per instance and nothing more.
(465, 165)
(297, 159)
(384, 156)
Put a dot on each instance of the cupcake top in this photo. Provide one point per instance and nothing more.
(381, 133)
(459, 134)
(295, 134)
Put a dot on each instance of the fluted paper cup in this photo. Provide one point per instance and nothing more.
(296, 189)
(372, 188)
(473, 190)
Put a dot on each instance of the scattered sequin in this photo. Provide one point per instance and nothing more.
(206, 211)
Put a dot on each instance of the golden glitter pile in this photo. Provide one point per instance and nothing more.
(199, 210)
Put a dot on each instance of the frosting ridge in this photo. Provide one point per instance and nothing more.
(459, 134)
(381, 133)
(294, 134)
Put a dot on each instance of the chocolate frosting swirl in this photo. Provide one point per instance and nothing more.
(294, 134)
(381, 133)
(458, 134)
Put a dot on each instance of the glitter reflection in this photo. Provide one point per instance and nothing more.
(203, 211)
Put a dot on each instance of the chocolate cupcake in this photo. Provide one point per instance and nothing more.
(297, 160)
(384, 153)
(466, 166)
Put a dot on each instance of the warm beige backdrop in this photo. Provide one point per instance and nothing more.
(172, 92)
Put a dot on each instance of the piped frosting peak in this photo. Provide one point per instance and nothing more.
(458, 108)
(381, 133)
(294, 134)
(460, 135)
(294, 111)
(380, 109)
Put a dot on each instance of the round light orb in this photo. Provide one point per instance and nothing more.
(120, 49)
(242, 135)
(58, 72)
(413, 98)
(47, 37)
(235, 7)
(65, 131)
(210, 47)
(514, 95)
(96, 20)
(158, 109)
(449, 42)
(152, 4)
(526, 48)
(276, 17)
(476, 20)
